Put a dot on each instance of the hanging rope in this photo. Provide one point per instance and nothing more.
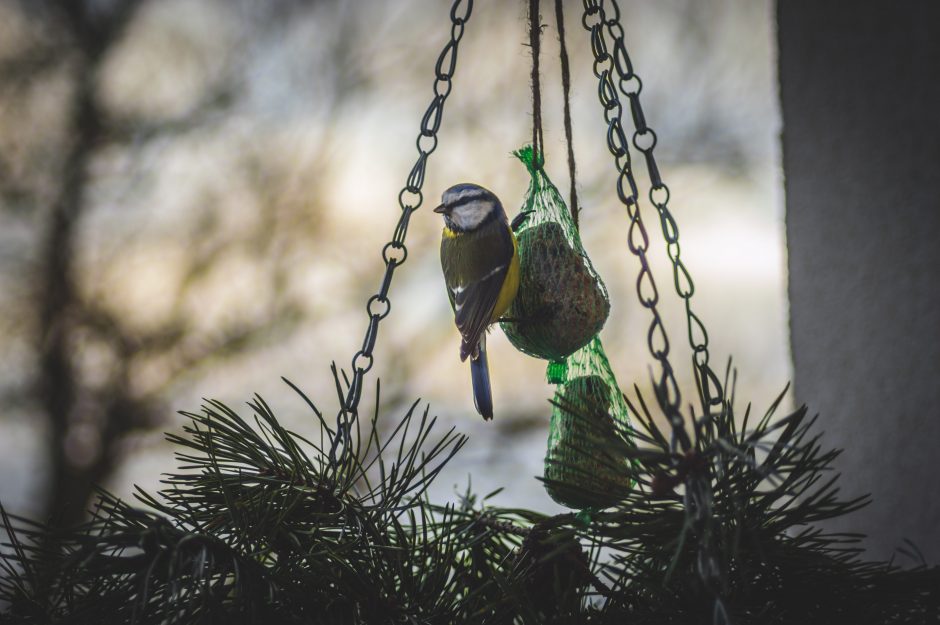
(535, 42)
(409, 200)
(566, 91)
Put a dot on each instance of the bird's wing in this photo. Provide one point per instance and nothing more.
(475, 266)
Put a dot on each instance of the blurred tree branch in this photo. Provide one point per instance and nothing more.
(59, 299)
(115, 407)
(100, 376)
(96, 28)
(214, 106)
(23, 68)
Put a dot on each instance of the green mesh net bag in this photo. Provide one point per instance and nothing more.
(586, 464)
(561, 306)
(562, 302)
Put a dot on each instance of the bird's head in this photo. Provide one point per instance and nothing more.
(467, 206)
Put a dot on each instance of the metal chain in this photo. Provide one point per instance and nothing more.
(644, 139)
(698, 497)
(394, 253)
(667, 389)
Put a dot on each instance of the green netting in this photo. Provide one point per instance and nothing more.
(561, 306)
(557, 371)
(562, 302)
(586, 461)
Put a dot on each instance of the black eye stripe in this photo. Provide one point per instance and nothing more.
(476, 197)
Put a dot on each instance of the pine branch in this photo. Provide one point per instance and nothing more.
(261, 524)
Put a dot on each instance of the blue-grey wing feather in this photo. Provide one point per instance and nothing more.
(474, 270)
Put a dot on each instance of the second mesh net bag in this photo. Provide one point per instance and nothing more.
(587, 460)
(562, 302)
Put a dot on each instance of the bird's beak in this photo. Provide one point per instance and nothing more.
(440, 209)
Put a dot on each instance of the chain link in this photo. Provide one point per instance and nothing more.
(698, 494)
(644, 139)
(395, 253)
(667, 389)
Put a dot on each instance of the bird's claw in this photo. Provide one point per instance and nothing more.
(519, 219)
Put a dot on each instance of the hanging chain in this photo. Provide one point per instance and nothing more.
(644, 139)
(394, 253)
(698, 497)
(667, 389)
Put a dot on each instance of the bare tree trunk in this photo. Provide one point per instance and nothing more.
(108, 412)
(68, 495)
(72, 483)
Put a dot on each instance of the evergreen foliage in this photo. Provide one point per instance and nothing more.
(260, 524)
(263, 525)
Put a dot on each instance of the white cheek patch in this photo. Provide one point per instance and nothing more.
(468, 216)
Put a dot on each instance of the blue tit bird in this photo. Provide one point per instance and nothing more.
(481, 270)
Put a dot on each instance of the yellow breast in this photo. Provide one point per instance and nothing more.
(510, 284)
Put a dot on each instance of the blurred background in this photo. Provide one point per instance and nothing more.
(194, 195)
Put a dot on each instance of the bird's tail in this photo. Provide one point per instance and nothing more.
(480, 374)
